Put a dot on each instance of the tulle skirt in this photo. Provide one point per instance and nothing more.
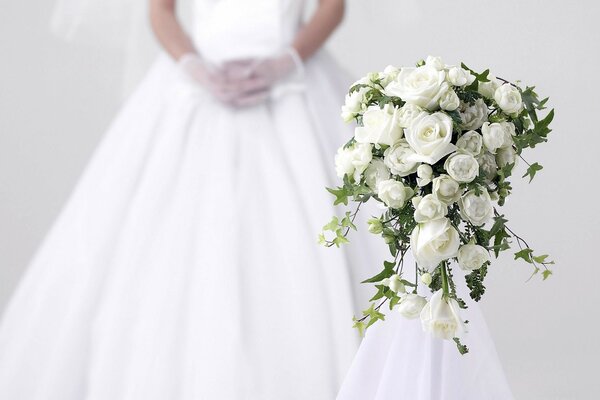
(185, 264)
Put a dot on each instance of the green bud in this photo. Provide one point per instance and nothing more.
(375, 226)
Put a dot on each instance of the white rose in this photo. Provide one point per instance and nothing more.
(509, 99)
(430, 137)
(422, 86)
(424, 175)
(395, 284)
(473, 116)
(495, 136)
(375, 173)
(505, 156)
(446, 189)
(460, 77)
(477, 209)
(396, 158)
(393, 193)
(408, 113)
(429, 208)
(354, 104)
(411, 305)
(441, 317)
(449, 100)
(435, 62)
(487, 89)
(380, 126)
(472, 257)
(488, 166)
(462, 167)
(470, 142)
(433, 242)
(353, 161)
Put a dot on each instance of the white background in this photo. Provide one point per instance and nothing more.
(56, 101)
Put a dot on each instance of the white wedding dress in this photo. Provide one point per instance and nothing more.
(185, 264)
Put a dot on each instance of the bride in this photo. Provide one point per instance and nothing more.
(184, 264)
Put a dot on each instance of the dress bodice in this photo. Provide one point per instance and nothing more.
(234, 29)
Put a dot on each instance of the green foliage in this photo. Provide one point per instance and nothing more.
(462, 349)
(475, 282)
(532, 170)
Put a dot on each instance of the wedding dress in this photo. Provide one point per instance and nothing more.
(185, 264)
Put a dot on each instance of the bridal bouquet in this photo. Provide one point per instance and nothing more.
(436, 145)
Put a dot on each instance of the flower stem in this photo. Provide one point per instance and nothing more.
(444, 275)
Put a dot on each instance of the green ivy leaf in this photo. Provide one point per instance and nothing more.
(341, 195)
(525, 254)
(532, 170)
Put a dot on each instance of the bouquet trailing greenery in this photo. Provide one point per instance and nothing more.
(436, 145)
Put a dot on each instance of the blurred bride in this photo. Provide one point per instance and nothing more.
(184, 264)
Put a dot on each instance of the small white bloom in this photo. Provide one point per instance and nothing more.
(441, 317)
(505, 156)
(424, 175)
(509, 99)
(435, 62)
(411, 305)
(487, 89)
(408, 113)
(477, 209)
(446, 189)
(430, 137)
(433, 242)
(380, 126)
(421, 86)
(462, 167)
(426, 278)
(353, 161)
(458, 76)
(473, 116)
(354, 104)
(394, 193)
(395, 284)
(472, 257)
(397, 158)
(470, 142)
(375, 173)
(487, 165)
(449, 100)
(494, 136)
(388, 75)
(429, 208)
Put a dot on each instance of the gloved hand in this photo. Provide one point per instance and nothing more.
(230, 89)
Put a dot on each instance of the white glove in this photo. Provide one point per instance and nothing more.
(227, 88)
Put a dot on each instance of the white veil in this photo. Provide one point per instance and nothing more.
(119, 25)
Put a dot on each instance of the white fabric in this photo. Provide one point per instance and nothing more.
(398, 361)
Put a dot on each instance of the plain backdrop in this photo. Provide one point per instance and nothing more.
(56, 101)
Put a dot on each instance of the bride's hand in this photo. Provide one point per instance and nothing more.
(221, 83)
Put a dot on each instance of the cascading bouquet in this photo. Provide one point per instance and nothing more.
(435, 145)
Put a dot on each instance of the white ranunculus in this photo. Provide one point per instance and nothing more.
(446, 189)
(462, 167)
(470, 142)
(422, 86)
(394, 282)
(458, 76)
(477, 209)
(509, 99)
(487, 89)
(380, 126)
(411, 305)
(441, 317)
(424, 175)
(388, 75)
(449, 100)
(505, 156)
(433, 242)
(354, 104)
(408, 113)
(509, 132)
(375, 173)
(435, 62)
(473, 116)
(429, 208)
(394, 193)
(494, 136)
(396, 158)
(472, 257)
(487, 165)
(354, 160)
(430, 137)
